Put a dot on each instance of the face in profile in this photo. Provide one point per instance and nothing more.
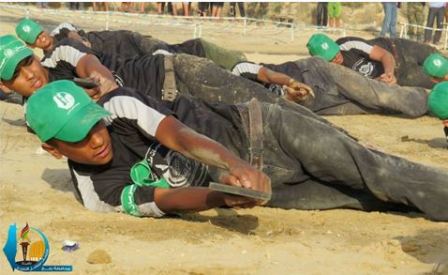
(435, 79)
(94, 149)
(43, 41)
(28, 77)
(338, 59)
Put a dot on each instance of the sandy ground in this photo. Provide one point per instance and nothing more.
(35, 188)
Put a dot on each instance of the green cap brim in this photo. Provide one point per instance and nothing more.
(11, 63)
(331, 53)
(80, 124)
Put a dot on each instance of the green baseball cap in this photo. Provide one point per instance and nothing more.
(436, 65)
(12, 51)
(64, 111)
(438, 100)
(322, 46)
(28, 30)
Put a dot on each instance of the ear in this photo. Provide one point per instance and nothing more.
(5, 89)
(52, 150)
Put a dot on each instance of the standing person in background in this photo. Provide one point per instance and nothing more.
(203, 8)
(257, 9)
(334, 14)
(415, 14)
(436, 10)
(186, 8)
(100, 6)
(390, 19)
(217, 8)
(232, 10)
(322, 14)
(160, 7)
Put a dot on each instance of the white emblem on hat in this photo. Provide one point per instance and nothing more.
(325, 46)
(64, 100)
(26, 28)
(437, 62)
(8, 53)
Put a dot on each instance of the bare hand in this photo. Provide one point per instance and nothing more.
(239, 201)
(388, 78)
(105, 85)
(297, 91)
(244, 175)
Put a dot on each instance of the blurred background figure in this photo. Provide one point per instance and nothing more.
(217, 8)
(390, 19)
(416, 16)
(257, 9)
(436, 11)
(186, 7)
(232, 9)
(160, 6)
(100, 6)
(322, 14)
(204, 8)
(334, 14)
(126, 6)
(75, 5)
(42, 5)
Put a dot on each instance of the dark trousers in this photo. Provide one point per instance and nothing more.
(240, 7)
(339, 90)
(322, 14)
(299, 146)
(434, 13)
(335, 84)
(410, 59)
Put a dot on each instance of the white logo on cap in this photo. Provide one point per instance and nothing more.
(437, 62)
(8, 53)
(325, 46)
(64, 100)
(26, 28)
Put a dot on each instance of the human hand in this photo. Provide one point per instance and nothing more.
(105, 85)
(239, 201)
(388, 78)
(297, 91)
(244, 175)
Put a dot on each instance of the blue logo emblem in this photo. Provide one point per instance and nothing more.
(29, 250)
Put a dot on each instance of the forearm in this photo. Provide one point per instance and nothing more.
(206, 150)
(389, 64)
(271, 77)
(187, 199)
(90, 65)
(176, 136)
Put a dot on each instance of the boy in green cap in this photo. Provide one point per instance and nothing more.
(436, 66)
(101, 158)
(146, 74)
(337, 88)
(310, 194)
(144, 132)
(391, 60)
(123, 44)
(34, 35)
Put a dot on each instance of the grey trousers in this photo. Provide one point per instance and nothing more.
(300, 148)
(339, 91)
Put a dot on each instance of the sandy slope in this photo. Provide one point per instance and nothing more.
(35, 188)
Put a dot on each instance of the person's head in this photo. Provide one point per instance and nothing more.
(34, 35)
(436, 66)
(69, 123)
(323, 46)
(438, 101)
(20, 70)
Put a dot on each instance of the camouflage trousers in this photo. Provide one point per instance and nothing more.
(415, 16)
